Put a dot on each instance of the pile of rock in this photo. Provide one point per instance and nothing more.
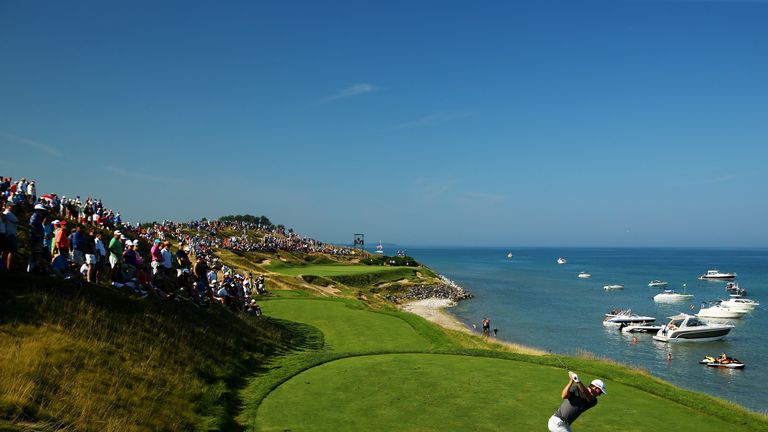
(446, 290)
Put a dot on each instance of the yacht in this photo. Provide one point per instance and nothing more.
(613, 287)
(562, 260)
(717, 275)
(671, 296)
(584, 275)
(657, 283)
(620, 317)
(716, 310)
(688, 328)
(739, 303)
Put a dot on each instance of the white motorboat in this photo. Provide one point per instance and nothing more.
(717, 275)
(657, 283)
(562, 260)
(716, 310)
(584, 275)
(671, 296)
(509, 255)
(688, 328)
(739, 303)
(620, 317)
(613, 287)
(641, 328)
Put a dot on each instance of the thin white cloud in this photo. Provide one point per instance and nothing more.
(431, 120)
(353, 90)
(51, 151)
(140, 175)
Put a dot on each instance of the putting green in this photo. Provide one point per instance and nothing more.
(433, 392)
(348, 329)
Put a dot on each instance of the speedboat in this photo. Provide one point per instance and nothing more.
(620, 317)
(613, 287)
(688, 328)
(716, 310)
(641, 328)
(562, 260)
(671, 296)
(729, 362)
(657, 283)
(717, 274)
(739, 303)
(584, 275)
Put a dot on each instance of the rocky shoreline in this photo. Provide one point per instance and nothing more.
(448, 289)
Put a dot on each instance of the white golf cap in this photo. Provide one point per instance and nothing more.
(40, 207)
(599, 384)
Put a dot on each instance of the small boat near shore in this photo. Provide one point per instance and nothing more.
(584, 275)
(728, 362)
(613, 287)
(509, 255)
(562, 260)
(656, 283)
(716, 274)
(641, 328)
(688, 328)
(619, 317)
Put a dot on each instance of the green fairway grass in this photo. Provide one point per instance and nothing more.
(332, 269)
(351, 329)
(432, 392)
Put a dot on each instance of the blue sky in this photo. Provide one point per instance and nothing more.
(574, 123)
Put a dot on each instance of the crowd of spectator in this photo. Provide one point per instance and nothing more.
(82, 240)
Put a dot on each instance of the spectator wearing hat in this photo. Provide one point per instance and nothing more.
(36, 237)
(115, 253)
(157, 256)
(182, 259)
(11, 245)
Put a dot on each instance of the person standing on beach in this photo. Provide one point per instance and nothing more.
(486, 326)
(576, 400)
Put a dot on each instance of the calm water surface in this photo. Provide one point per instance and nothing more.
(536, 302)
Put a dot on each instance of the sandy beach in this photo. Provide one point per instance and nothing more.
(432, 309)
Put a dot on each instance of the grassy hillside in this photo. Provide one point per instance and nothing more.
(93, 358)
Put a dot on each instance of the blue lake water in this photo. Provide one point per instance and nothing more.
(536, 302)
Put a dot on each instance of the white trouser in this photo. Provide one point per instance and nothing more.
(556, 424)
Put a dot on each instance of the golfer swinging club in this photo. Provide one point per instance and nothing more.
(576, 400)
